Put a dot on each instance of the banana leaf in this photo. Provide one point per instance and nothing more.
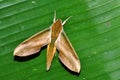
(93, 30)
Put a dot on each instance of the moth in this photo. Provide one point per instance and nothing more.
(55, 38)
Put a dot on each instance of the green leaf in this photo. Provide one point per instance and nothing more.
(94, 31)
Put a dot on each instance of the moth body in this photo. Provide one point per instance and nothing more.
(56, 28)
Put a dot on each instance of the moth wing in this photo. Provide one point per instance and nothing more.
(33, 44)
(67, 54)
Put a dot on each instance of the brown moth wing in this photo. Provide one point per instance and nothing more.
(33, 44)
(67, 54)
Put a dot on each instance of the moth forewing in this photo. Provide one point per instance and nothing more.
(67, 54)
(33, 44)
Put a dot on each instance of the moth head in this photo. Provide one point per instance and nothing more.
(59, 20)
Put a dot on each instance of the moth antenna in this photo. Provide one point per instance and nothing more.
(54, 16)
(66, 20)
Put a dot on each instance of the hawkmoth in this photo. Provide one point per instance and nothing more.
(55, 38)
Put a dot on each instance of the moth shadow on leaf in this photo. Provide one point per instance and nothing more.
(74, 73)
(26, 58)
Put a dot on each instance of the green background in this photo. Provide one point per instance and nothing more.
(94, 31)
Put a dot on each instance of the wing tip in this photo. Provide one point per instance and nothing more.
(16, 53)
(78, 70)
(19, 54)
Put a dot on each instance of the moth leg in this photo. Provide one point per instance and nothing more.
(54, 16)
(66, 20)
